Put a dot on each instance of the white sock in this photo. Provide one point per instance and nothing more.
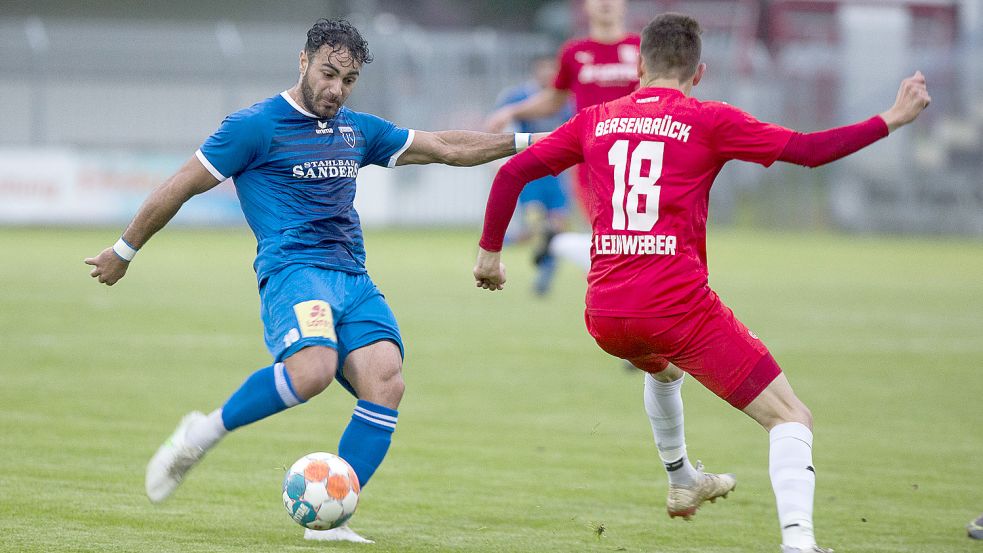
(794, 480)
(208, 432)
(664, 405)
(572, 246)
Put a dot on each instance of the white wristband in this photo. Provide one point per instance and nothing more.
(522, 140)
(125, 251)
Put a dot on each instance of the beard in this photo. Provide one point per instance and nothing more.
(312, 103)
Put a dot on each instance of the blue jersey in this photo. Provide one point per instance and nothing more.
(519, 93)
(295, 178)
(548, 190)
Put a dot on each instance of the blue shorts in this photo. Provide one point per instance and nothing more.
(310, 306)
(547, 191)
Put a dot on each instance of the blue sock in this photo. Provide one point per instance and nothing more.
(265, 392)
(366, 440)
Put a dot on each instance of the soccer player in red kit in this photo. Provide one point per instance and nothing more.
(594, 69)
(651, 159)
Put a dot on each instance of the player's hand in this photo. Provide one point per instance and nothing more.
(912, 99)
(489, 271)
(499, 120)
(107, 267)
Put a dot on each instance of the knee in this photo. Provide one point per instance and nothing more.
(311, 370)
(376, 373)
(792, 411)
(383, 384)
(669, 374)
(803, 415)
(391, 382)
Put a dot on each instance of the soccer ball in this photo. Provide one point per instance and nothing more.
(320, 491)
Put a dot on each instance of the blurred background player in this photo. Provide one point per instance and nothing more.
(294, 158)
(652, 158)
(544, 209)
(597, 68)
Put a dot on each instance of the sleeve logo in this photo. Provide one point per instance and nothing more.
(315, 320)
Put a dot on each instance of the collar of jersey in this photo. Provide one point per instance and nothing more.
(286, 96)
(656, 91)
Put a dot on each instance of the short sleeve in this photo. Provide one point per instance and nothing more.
(384, 141)
(738, 135)
(234, 147)
(567, 67)
(562, 148)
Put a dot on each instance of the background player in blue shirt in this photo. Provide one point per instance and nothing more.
(294, 159)
(543, 202)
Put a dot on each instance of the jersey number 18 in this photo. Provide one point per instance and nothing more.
(637, 185)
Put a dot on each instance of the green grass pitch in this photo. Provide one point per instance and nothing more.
(516, 433)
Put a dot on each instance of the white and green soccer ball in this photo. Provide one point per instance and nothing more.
(320, 491)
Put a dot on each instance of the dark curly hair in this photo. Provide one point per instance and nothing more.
(338, 34)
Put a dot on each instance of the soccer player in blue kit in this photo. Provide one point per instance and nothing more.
(294, 159)
(543, 202)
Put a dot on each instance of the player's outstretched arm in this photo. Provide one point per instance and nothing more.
(463, 148)
(822, 147)
(911, 100)
(162, 204)
(489, 272)
(544, 103)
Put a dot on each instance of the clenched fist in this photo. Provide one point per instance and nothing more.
(912, 99)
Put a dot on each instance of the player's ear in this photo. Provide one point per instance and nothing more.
(700, 71)
(303, 61)
(641, 68)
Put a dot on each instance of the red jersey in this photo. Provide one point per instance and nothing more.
(596, 72)
(651, 159)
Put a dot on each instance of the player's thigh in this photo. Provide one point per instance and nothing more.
(299, 309)
(725, 356)
(311, 370)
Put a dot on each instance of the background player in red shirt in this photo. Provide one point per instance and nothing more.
(597, 68)
(651, 158)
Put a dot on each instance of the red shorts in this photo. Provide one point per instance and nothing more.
(707, 342)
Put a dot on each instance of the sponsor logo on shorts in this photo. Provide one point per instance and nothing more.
(290, 337)
(315, 320)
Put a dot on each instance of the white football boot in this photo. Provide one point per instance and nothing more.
(173, 460)
(684, 501)
(341, 533)
(813, 549)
